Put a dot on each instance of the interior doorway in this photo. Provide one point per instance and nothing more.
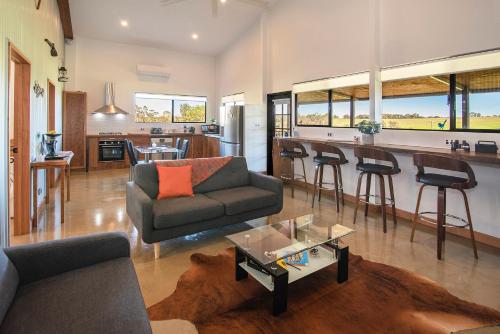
(279, 121)
(51, 125)
(19, 142)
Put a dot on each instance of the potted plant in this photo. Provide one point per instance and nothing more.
(368, 129)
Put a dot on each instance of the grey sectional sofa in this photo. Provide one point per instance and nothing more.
(232, 195)
(76, 285)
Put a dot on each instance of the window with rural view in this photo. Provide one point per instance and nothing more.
(418, 103)
(478, 100)
(312, 108)
(161, 108)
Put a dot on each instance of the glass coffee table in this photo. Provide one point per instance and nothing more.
(282, 253)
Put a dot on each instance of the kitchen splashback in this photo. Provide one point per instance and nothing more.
(127, 124)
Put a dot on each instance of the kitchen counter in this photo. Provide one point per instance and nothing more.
(212, 135)
(487, 158)
(125, 135)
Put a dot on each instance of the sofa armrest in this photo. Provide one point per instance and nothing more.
(140, 210)
(45, 259)
(267, 182)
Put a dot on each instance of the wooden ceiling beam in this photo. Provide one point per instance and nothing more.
(65, 18)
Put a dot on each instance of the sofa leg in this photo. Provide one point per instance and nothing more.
(269, 220)
(157, 250)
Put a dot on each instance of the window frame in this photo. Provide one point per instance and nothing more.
(452, 110)
(296, 107)
(352, 113)
(173, 110)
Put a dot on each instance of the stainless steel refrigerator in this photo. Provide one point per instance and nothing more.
(231, 141)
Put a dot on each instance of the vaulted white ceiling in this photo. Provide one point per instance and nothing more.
(150, 23)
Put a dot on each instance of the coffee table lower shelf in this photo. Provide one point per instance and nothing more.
(278, 278)
(325, 258)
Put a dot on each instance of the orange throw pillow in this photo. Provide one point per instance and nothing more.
(174, 181)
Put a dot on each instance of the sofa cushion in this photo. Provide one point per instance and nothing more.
(174, 181)
(146, 177)
(233, 174)
(243, 199)
(103, 298)
(9, 279)
(172, 212)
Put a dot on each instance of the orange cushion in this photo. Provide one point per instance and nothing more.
(175, 181)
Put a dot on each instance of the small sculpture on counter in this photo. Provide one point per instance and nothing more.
(456, 145)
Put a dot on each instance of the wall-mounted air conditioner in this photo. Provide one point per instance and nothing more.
(153, 71)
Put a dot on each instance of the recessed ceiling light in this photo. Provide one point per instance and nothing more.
(223, 1)
(194, 36)
(124, 23)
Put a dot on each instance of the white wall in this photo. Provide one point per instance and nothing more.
(311, 41)
(93, 62)
(239, 69)
(426, 29)
(26, 28)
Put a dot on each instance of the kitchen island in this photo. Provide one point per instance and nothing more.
(483, 199)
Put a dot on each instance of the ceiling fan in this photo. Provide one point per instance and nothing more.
(217, 3)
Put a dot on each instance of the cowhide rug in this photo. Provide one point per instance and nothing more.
(377, 298)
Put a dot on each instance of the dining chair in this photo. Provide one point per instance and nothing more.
(177, 146)
(129, 146)
(184, 149)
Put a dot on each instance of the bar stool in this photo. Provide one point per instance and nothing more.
(363, 152)
(443, 182)
(320, 161)
(292, 150)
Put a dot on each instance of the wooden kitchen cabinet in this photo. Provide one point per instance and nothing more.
(200, 146)
(212, 147)
(196, 145)
(75, 127)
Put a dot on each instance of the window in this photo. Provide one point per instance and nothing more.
(341, 110)
(188, 109)
(153, 108)
(160, 108)
(350, 105)
(312, 108)
(341, 107)
(361, 110)
(282, 116)
(418, 103)
(477, 102)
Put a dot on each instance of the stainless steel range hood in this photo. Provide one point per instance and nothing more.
(109, 108)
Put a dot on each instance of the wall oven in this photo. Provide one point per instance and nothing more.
(111, 150)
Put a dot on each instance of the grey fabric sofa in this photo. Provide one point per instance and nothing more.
(76, 285)
(232, 195)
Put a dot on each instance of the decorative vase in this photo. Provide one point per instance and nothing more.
(50, 144)
(367, 139)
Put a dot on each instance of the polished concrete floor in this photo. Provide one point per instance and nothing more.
(98, 205)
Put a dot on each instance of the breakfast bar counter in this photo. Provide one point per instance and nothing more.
(483, 199)
(487, 158)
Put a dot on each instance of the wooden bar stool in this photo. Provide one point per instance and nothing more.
(320, 160)
(292, 150)
(364, 152)
(443, 182)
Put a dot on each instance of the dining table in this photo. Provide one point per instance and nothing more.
(163, 150)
